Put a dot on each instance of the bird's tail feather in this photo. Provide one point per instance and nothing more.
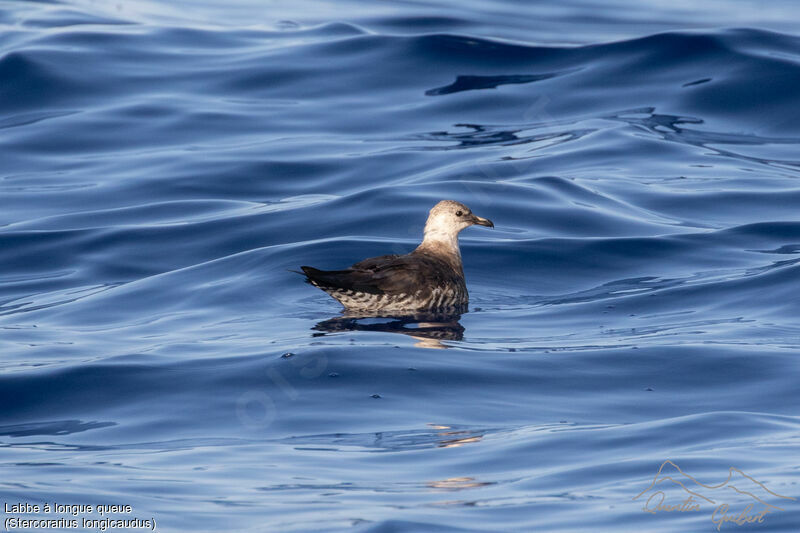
(320, 278)
(340, 280)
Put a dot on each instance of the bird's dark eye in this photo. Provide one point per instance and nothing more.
(459, 213)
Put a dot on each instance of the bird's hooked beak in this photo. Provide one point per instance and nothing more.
(482, 221)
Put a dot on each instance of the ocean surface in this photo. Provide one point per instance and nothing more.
(166, 165)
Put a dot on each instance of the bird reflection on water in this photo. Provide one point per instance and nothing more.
(430, 329)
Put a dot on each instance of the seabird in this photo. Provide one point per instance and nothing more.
(431, 278)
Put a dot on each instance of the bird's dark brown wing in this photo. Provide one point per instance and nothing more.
(388, 274)
(374, 263)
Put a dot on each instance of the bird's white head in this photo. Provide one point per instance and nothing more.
(446, 219)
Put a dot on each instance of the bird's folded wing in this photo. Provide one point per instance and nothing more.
(381, 275)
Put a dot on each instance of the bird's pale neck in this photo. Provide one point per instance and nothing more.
(442, 242)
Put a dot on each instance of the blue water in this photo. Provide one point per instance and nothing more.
(164, 165)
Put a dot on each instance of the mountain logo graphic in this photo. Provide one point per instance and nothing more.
(739, 499)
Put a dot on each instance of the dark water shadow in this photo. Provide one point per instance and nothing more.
(487, 135)
(430, 329)
(471, 83)
(672, 128)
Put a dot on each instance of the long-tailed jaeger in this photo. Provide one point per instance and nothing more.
(431, 278)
